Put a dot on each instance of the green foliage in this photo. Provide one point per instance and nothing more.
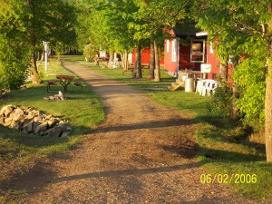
(89, 52)
(251, 77)
(156, 15)
(121, 25)
(3, 81)
(104, 24)
(14, 62)
(241, 30)
(14, 51)
(23, 27)
(221, 101)
(51, 20)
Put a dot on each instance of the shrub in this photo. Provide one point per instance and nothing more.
(250, 77)
(14, 49)
(89, 52)
(221, 101)
(14, 63)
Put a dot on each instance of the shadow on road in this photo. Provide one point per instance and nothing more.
(146, 125)
(128, 172)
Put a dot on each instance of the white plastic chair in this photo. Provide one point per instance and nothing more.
(209, 87)
(199, 86)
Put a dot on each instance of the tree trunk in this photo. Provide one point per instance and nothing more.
(110, 63)
(32, 37)
(234, 109)
(125, 61)
(35, 74)
(152, 61)
(157, 74)
(268, 96)
(268, 111)
(138, 63)
(38, 55)
(42, 56)
(223, 71)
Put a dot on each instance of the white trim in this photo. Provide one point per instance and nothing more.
(211, 47)
(199, 34)
(174, 50)
(130, 58)
(167, 45)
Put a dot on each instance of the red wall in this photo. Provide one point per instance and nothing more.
(184, 60)
(212, 59)
(169, 65)
(145, 57)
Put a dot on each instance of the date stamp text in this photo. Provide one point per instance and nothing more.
(228, 178)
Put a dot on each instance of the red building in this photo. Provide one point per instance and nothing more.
(146, 57)
(189, 48)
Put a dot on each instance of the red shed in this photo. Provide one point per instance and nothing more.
(189, 48)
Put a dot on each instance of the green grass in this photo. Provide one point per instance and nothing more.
(74, 58)
(224, 147)
(83, 111)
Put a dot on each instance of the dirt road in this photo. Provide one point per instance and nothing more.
(142, 153)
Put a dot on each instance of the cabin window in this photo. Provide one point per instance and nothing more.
(198, 51)
(174, 50)
(167, 45)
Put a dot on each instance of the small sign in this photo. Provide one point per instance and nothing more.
(206, 68)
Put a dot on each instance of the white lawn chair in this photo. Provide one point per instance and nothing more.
(209, 87)
(199, 86)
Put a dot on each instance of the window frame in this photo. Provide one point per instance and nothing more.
(203, 41)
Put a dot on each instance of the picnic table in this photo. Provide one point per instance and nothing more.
(63, 80)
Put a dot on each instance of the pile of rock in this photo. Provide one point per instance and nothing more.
(57, 97)
(3, 92)
(31, 121)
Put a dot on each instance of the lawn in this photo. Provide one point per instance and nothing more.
(83, 110)
(224, 147)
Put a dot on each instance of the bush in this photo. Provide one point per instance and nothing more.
(3, 80)
(250, 76)
(14, 49)
(89, 52)
(221, 101)
(14, 61)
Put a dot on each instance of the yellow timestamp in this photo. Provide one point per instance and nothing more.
(228, 178)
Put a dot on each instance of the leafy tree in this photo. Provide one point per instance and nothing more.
(155, 16)
(50, 20)
(107, 26)
(245, 24)
(14, 51)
